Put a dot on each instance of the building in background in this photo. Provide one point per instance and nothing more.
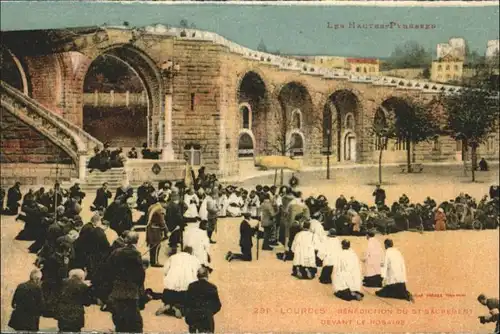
(406, 73)
(447, 69)
(492, 48)
(369, 66)
(455, 48)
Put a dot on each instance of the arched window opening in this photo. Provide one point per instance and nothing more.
(245, 146)
(296, 119)
(296, 145)
(246, 117)
(349, 121)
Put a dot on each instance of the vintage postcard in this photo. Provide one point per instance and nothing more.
(249, 168)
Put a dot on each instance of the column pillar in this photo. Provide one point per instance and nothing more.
(82, 167)
(168, 150)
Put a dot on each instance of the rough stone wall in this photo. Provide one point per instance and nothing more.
(22, 144)
(198, 80)
(47, 82)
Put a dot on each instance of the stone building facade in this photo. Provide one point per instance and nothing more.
(218, 104)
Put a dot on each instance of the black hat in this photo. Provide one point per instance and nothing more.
(332, 232)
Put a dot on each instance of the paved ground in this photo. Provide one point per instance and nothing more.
(446, 271)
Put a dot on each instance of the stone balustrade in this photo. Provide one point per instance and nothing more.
(293, 65)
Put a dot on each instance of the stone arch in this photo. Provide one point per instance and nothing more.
(340, 105)
(297, 143)
(252, 93)
(151, 77)
(23, 83)
(246, 144)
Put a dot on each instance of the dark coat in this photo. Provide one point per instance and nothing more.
(340, 203)
(13, 197)
(156, 229)
(202, 302)
(174, 215)
(246, 234)
(92, 247)
(379, 196)
(126, 272)
(123, 220)
(74, 296)
(28, 305)
(101, 198)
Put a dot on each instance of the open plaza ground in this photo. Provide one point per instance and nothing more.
(446, 270)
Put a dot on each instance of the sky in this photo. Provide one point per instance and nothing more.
(291, 29)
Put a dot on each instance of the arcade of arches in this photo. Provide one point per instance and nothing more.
(233, 107)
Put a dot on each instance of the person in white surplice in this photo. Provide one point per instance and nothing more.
(195, 236)
(223, 203)
(394, 274)
(347, 274)
(328, 253)
(235, 203)
(253, 204)
(180, 271)
(304, 257)
(191, 201)
(373, 260)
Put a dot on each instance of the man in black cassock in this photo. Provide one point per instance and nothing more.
(27, 304)
(92, 247)
(76, 192)
(379, 195)
(202, 303)
(101, 198)
(246, 243)
(13, 197)
(126, 272)
(174, 218)
(122, 220)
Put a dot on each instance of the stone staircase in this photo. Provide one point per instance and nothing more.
(93, 181)
(77, 143)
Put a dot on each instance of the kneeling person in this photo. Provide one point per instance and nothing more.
(303, 248)
(347, 274)
(180, 270)
(394, 274)
(246, 243)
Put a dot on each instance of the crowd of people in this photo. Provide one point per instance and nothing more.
(99, 263)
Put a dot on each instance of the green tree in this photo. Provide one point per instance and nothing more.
(472, 114)
(414, 124)
(382, 130)
(409, 55)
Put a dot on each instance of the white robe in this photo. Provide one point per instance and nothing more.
(223, 204)
(234, 205)
(180, 270)
(394, 269)
(192, 202)
(329, 251)
(347, 272)
(373, 258)
(203, 209)
(199, 241)
(253, 205)
(303, 249)
(319, 233)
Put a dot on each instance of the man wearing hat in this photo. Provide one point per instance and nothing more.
(328, 253)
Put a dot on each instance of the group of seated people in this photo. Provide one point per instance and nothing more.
(106, 159)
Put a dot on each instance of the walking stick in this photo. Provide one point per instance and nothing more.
(258, 230)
